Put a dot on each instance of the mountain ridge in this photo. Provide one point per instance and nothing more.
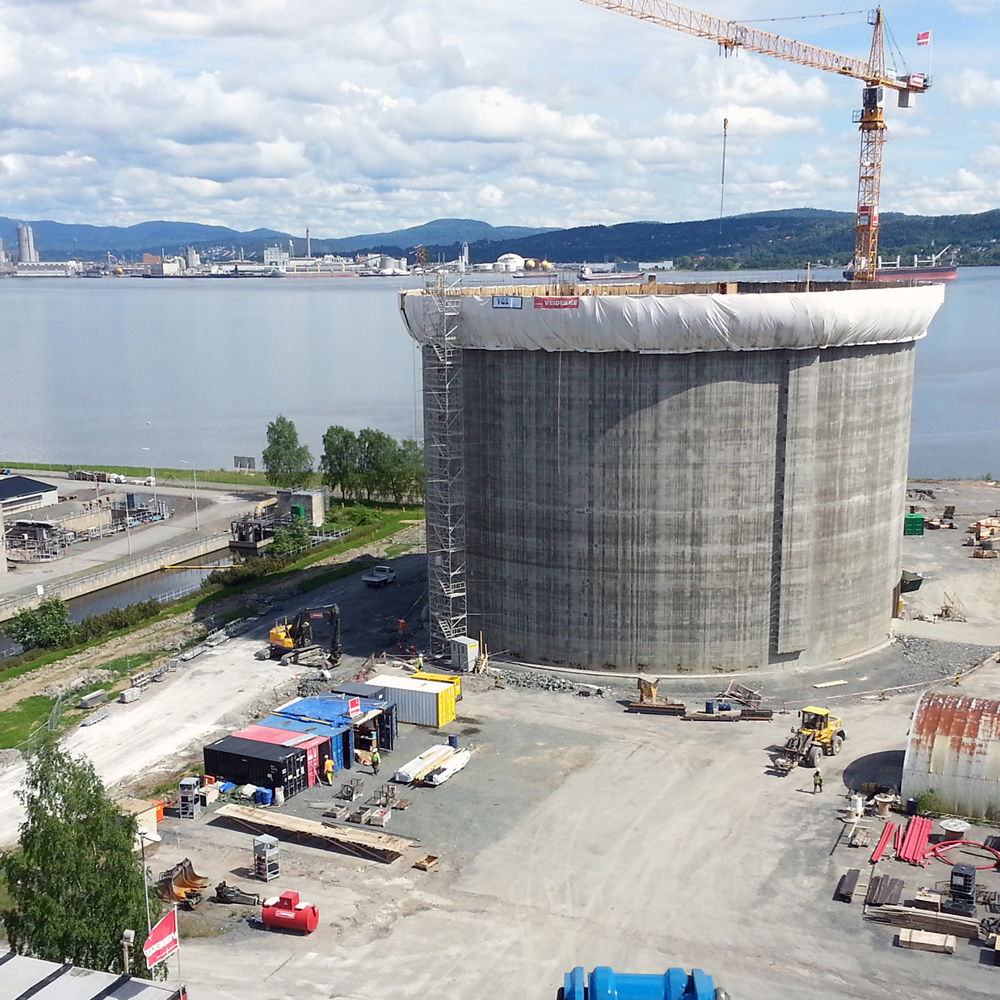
(779, 238)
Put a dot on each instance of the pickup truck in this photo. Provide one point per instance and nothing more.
(379, 576)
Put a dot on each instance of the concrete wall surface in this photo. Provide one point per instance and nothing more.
(685, 512)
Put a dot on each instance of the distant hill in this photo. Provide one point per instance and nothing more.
(786, 238)
(440, 232)
(58, 240)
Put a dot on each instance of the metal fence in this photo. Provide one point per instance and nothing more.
(139, 565)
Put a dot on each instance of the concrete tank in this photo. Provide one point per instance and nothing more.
(676, 482)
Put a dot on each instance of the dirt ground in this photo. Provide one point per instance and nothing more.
(578, 834)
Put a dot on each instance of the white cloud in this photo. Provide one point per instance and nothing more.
(973, 88)
(352, 117)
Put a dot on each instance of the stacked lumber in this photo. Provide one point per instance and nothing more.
(927, 941)
(656, 707)
(926, 920)
(757, 714)
(884, 891)
(847, 884)
(365, 843)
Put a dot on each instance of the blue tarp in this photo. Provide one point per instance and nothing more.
(332, 708)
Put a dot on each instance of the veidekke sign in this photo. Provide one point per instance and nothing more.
(162, 941)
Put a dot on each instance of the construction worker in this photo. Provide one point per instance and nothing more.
(376, 759)
(420, 661)
(328, 769)
(817, 782)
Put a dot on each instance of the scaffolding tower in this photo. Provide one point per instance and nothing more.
(444, 451)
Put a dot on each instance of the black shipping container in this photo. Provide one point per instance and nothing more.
(248, 762)
(356, 689)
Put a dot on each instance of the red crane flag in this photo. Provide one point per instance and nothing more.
(162, 941)
(923, 38)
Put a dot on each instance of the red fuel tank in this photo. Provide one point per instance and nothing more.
(286, 911)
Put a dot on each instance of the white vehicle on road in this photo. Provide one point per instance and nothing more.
(379, 576)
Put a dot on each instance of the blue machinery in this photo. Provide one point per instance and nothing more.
(606, 984)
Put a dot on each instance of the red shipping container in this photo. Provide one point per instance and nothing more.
(317, 748)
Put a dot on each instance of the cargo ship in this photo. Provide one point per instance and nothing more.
(927, 268)
(587, 273)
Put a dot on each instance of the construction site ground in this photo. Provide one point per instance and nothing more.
(578, 834)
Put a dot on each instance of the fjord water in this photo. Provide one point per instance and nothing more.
(96, 371)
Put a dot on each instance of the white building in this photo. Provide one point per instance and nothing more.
(509, 263)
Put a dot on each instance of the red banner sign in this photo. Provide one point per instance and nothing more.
(162, 941)
(354, 707)
(557, 302)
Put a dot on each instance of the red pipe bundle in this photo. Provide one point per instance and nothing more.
(883, 841)
(914, 846)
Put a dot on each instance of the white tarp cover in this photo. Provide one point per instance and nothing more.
(685, 324)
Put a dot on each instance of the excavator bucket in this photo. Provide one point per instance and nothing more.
(186, 877)
(182, 885)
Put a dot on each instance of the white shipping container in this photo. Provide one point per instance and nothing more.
(416, 701)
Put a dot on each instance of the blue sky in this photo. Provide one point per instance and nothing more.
(352, 117)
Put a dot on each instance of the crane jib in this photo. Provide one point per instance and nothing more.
(731, 36)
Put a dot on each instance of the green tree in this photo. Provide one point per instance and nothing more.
(76, 882)
(377, 456)
(47, 625)
(407, 476)
(286, 462)
(339, 463)
(290, 537)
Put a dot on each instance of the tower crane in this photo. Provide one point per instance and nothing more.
(870, 119)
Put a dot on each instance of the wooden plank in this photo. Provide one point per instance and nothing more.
(848, 883)
(895, 890)
(927, 941)
(874, 888)
(925, 920)
(366, 843)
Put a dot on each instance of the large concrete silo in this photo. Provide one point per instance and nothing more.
(668, 478)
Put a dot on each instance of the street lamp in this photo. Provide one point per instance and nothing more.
(194, 472)
(152, 471)
(143, 837)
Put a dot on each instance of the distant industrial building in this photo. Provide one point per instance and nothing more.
(668, 477)
(19, 494)
(330, 265)
(953, 750)
(26, 244)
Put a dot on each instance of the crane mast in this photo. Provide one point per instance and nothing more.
(731, 36)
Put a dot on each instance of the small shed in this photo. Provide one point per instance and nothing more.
(954, 750)
(145, 813)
